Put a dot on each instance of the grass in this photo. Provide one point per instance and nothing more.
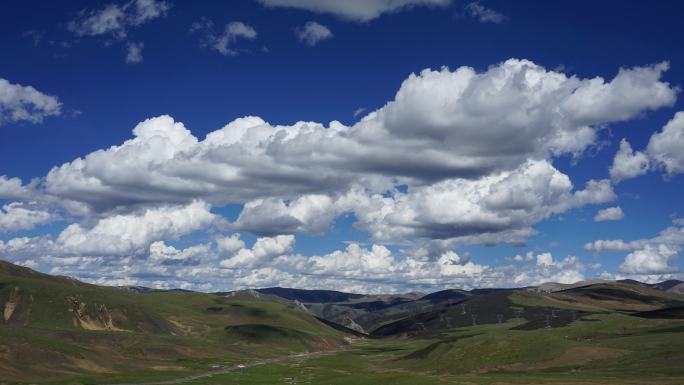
(151, 335)
(626, 351)
(166, 335)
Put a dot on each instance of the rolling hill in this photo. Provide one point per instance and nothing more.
(56, 326)
(57, 330)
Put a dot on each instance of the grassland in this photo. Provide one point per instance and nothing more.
(604, 349)
(56, 330)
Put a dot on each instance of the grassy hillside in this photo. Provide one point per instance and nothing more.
(526, 309)
(600, 346)
(600, 349)
(357, 311)
(55, 330)
(55, 327)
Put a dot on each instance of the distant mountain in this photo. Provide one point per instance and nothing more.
(677, 289)
(530, 309)
(550, 287)
(310, 296)
(354, 311)
(386, 315)
(664, 286)
(136, 289)
(449, 294)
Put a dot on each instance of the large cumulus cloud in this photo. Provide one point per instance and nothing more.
(441, 125)
(457, 157)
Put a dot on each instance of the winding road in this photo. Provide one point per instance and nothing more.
(212, 373)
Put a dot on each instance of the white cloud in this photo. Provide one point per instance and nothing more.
(23, 248)
(609, 214)
(134, 52)
(223, 42)
(650, 260)
(460, 209)
(436, 137)
(444, 130)
(665, 147)
(130, 233)
(567, 270)
(601, 245)
(377, 266)
(484, 14)
(264, 250)
(632, 90)
(628, 163)
(229, 245)
(18, 216)
(161, 253)
(529, 256)
(647, 257)
(306, 214)
(355, 10)
(116, 19)
(663, 151)
(13, 188)
(457, 157)
(312, 33)
(268, 263)
(354, 261)
(25, 103)
(544, 259)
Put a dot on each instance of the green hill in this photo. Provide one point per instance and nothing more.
(55, 327)
(56, 330)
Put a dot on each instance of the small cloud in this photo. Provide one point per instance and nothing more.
(222, 43)
(359, 111)
(35, 36)
(544, 259)
(134, 52)
(355, 10)
(609, 214)
(562, 68)
(484, 14)
(25, 103)
(115, 19)
(521, 258)
(312, 33)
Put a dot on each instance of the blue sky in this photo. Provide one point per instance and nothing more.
(206, 64)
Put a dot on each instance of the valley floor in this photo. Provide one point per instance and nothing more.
(599, 350)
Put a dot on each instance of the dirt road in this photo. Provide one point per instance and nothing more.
(212, 373)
